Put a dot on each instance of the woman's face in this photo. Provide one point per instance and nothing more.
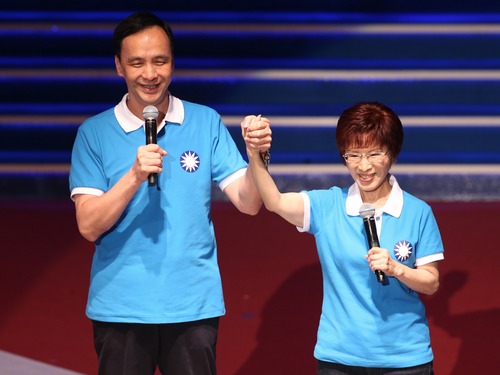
(369, 167)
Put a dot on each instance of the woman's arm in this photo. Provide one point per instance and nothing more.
(423, 279)
(289, 206)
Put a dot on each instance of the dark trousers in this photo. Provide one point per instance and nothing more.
(328, 368)
(138, 349)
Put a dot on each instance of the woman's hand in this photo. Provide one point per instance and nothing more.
(257, 134)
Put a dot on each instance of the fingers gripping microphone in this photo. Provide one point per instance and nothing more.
(150, 114)
(367, 212)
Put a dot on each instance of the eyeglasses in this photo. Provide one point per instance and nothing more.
(356, 157)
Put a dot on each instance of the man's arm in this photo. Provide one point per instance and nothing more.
(244, 194)
(97, 214)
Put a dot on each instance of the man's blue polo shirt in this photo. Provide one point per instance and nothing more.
(158, 264)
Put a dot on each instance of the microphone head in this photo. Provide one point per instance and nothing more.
(150, 112)
(367, 210)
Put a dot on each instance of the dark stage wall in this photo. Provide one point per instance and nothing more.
(272, 284)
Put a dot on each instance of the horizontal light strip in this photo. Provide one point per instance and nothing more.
(347, 28)
(278, 121)
(413, 121)
(417, 169)
(307, 169)
(34, 168)
(281, 28)
(42, 119)
(275, 74)
(344, 74)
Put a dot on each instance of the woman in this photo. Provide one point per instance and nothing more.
(366, 327)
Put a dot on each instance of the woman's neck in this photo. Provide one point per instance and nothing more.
(378, 197)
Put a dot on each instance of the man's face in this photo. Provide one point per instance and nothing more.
(147, 65)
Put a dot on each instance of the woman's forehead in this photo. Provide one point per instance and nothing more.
(364, 141)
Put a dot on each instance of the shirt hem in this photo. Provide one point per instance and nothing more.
(154, 320)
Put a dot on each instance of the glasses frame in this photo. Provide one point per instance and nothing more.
(367, 156)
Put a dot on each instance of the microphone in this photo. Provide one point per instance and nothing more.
(367, 212)
(150, 114)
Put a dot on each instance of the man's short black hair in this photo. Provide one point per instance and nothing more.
(135, 23)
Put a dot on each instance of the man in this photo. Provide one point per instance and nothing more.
(155, 293)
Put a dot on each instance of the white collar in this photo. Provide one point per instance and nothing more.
(393, 206)
(130, 122)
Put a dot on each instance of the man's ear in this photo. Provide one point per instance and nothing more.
(118, 66)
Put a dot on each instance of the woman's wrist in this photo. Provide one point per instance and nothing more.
(265, 157)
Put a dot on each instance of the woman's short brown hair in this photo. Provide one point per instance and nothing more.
(368, 124)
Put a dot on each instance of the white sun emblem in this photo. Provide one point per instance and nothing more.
(190, 161)
(403, 250)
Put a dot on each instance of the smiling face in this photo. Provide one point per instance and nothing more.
(371, 174)
(366, 129)
(146, 63)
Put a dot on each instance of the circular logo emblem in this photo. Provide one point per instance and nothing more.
(190, 161)
(403, 250)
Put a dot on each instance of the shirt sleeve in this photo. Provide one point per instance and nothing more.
(430, 245)
(226, 157)
(86, 172)
(307, 213)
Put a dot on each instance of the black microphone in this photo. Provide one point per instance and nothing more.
(150, 114)
(367, 212)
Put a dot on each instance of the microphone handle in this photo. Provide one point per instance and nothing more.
(152, 179)
(150, 139)
(380, 276)
(371, 232)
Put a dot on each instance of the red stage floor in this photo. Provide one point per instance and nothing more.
(272, 285)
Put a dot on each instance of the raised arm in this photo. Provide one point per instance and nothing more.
(243, 192)
(289, 206)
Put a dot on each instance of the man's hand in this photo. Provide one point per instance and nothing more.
(148, 160)
(256, 132)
